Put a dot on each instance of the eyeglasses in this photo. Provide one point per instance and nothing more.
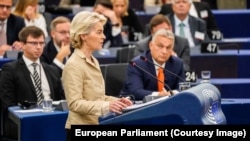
(8, 7)
(36, 43)
(63, 32)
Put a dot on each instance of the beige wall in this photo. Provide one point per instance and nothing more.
(231, 4)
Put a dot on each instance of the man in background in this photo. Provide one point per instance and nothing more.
(199, 10)
(58, 49)
(10, 26)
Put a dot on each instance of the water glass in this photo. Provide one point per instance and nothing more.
(184, 86)
(205, 76)
(47, 105)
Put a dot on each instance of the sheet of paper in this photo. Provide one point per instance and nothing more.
(29, 110)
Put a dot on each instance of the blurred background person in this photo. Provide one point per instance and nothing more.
(140, 84)
(112, 28)
(28, 9)
(185, 25)
(132, 29)
(181, 45)
(58, 49)
(10, 26)
(82, 77)
(197, 9)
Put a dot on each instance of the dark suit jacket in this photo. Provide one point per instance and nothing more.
(196, 25)
(181, 47)
(140, 84)
(16, 86)
(115, 41)
(50, 52)
(211, 24)
(14, 25)
(133, 23)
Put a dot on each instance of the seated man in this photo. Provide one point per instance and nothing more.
(28, 79)
(10, 26)
(181, 46)
(58, 49)
(140, 83)
(185, 25)
(197, 9)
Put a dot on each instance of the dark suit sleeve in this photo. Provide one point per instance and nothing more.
(134, 84)
(116, 41)
(14, 25)
(185, 54)
(136, 24)
(166, 9)
(54, 78)
(7, 87)
(210, 21)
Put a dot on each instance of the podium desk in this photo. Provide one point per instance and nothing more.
(236, 111)
(231, 87)
(39, 126)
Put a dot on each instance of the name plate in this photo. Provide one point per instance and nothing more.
(215, 35)
(209, 48)
(190, 76)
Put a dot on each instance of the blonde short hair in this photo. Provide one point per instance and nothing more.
(82, 23)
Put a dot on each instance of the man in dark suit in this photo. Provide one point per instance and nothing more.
(58, 49)
(198, 9)
(16, 82)
(12, 26)
(139, 83)
(194, 29)
(181, 46)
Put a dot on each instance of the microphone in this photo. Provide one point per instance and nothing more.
(134, 64)
(146, 60)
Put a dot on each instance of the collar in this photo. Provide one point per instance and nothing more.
(178, 21)
(158, 65)
(28, 62)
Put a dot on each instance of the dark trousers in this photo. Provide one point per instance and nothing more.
(68, 136)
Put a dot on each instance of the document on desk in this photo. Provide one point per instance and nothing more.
(136, 106)
(29, 111)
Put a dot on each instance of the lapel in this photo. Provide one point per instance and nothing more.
(192, 25)
(27, 74)
(151, 68)
(49, 78)
(198, 8)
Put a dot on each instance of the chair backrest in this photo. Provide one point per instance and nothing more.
(114, 76)
(125, 54)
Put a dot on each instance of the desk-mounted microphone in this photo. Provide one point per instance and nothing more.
(134, 64)
(147, 60)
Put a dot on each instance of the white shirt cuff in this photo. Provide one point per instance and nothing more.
(58, 63)
(116, 31)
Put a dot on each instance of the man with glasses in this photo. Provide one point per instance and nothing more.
(28, 79)
(58, 49)
(10, 26)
